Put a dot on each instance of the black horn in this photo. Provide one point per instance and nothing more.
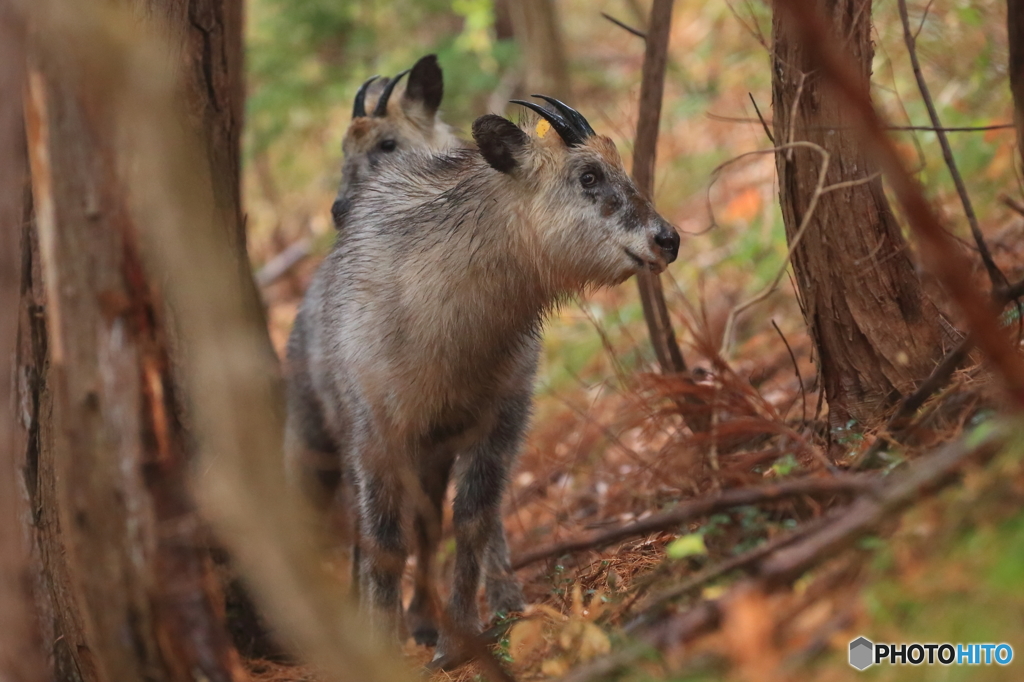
(571, 114)
(567, 122)
(381, 109)
(359, 108)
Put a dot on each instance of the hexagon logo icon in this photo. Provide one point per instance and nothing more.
(861, 653)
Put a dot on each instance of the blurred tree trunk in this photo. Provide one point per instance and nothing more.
(538, 32)
(1015, 38)
(126, 588)
(875, 332)
(20, 645)
(208, 34)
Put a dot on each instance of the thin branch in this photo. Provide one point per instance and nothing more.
(924, 16)
(994, 273)
(692, 509)
(635, 31)
(796, 370)
(761, 118)
(1012, 204)
(927, 129)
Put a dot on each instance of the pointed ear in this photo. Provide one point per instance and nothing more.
(426, 85)
(500, 141)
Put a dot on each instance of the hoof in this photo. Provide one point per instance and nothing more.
(425, 635)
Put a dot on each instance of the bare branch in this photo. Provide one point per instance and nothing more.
(994, 273)
(635, 31)
(761, 119)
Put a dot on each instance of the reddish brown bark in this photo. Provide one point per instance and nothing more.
(123, 556)
(875, 332)
(20, 644)
(126, 587)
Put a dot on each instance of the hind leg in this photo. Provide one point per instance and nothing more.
(423, 609)
(504, 594)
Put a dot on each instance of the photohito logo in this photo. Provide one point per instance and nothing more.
(865, 653)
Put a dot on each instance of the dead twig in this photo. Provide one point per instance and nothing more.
(764, 124)
(635, 31)
(994, 273)
(796, 370)
(686, 511)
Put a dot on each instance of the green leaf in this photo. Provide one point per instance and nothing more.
(687, 545)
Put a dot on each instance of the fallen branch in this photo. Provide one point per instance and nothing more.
(783, 566)
(687, 511)
(926, 476)
(655, 606)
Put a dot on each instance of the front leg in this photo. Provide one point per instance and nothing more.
(476, 518)
(504, 595)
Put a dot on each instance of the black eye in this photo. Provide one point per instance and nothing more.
(589, 179)
(388, 145)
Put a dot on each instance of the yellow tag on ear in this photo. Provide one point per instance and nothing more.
(542, 128)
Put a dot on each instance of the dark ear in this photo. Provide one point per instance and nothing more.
(426, 84)
(500, 141)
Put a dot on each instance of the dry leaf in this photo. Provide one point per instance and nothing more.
(525, 637)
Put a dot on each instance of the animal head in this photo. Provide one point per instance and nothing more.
(587, 218)
(393, 124)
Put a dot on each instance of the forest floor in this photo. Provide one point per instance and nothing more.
(614, 449)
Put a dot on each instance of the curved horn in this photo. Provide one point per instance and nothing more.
(359, 108)
(573, 116)
(567, 132)
(382, 104)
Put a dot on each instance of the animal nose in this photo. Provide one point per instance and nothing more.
(668, 241)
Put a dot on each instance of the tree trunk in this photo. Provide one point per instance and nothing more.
(127, 589)
(542, 49)
(875, 332)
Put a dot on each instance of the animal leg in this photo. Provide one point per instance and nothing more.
(423, 610)
(382, 548)
(475, 516)
(504, 595)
